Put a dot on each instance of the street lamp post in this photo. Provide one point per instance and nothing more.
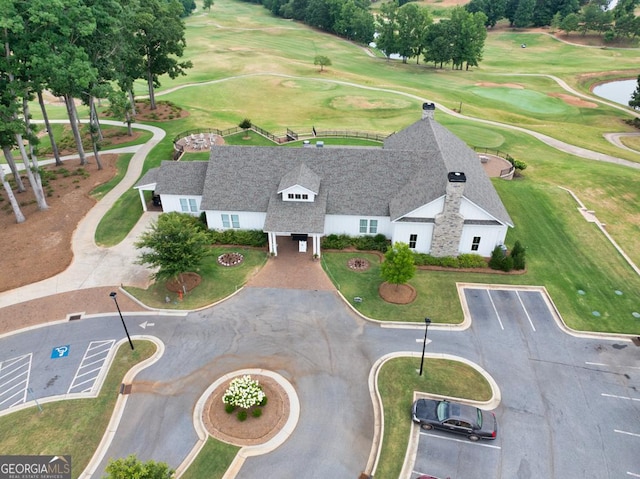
(113, 295)
(427, 322)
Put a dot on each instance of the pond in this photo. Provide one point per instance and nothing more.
(616, 91)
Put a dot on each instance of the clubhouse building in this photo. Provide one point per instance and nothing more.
(424, 187)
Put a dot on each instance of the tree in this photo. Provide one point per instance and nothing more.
(159, 38)
(132, 467)
(493, 9)
(398, 266)
(412, 25)
(207, 4)
(322, 61)
(120, 108)
(387, 40)
(635, 97)
(175, 244)
(437, 43)
(523, 15)
(570, 23)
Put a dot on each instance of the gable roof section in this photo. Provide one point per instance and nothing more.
(148, 179)
(358, 181)
(181, 178)
(453, 155)
(302, 176)
(296, 217)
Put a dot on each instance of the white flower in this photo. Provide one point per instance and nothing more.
(243, 392)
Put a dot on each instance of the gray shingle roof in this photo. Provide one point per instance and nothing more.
(148, 178)
(295, 216)
(181, 177)
(409, 172)
(301, 175)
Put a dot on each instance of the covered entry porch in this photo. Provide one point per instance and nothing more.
(302, 243)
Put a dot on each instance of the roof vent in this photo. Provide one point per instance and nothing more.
(456, 177)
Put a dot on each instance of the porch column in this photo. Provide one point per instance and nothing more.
(273, 243)
(316, 245)
(144, 203)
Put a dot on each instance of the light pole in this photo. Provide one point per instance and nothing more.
(427, 322)
(113, 295)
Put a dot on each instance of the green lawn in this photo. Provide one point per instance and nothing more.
(398, 380)
(74, 427)
(217, 281)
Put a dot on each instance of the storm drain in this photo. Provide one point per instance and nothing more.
(125, 389)
(74, 316)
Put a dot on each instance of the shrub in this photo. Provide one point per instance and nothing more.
(229, 408)
(263, 403)
(242, 415)
(257, 412)
(243, 392)
(518, 255)
(245, 124)
(255, 238)
(334, 241)
(470, 260)
(497, 257)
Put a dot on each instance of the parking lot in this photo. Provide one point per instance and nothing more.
(59, 370)
(570, 405)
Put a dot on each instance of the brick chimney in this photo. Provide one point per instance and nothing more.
(447, 230)
(428, 110)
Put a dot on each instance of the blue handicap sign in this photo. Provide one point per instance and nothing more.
(60, 352)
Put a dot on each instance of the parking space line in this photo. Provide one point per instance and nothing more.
(619, 397)
(495, 310)
(14, 374)
(87, 374)
(525, 310)
(446, 438)
(626, 432)
(611, 366)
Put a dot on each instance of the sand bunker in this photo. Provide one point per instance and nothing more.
(574, 101)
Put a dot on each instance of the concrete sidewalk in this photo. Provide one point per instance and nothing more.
(94, 266)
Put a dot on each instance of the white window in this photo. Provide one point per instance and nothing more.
(188, 205)
(368, 226)
(413, 239)
(290, 196)
(230, 221)
(475, 244)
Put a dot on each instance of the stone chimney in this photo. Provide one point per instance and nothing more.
(447, 230)
(427, 110)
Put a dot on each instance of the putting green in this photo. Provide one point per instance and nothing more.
(479, 136)
(524, 100)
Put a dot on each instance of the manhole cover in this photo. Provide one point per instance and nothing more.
(580, 291)
(596, 313)
(618, 292)
(636, 315)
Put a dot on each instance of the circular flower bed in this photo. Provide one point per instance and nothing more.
(230, 259)
(358, 264)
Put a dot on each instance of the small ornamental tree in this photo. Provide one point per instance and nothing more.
(399, 264)
(635, 97)
(245, 125)
(244, 392)
(518, 253)
(175, 244)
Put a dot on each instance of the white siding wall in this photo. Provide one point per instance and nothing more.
(471, 211)
(490, 237)
(171, 203)
(248, 220)
(402, 232)
(350, 225)
(429, 210)
(300, 191)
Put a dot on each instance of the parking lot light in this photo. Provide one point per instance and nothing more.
(427, 322)
(113, 295)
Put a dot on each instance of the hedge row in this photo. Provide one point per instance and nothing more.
(461, 261)
(378, 242)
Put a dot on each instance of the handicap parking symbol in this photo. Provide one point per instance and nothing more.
(60, 352)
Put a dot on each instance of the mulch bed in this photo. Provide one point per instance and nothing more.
(252, 431)
(188, 280)
(397, 293)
